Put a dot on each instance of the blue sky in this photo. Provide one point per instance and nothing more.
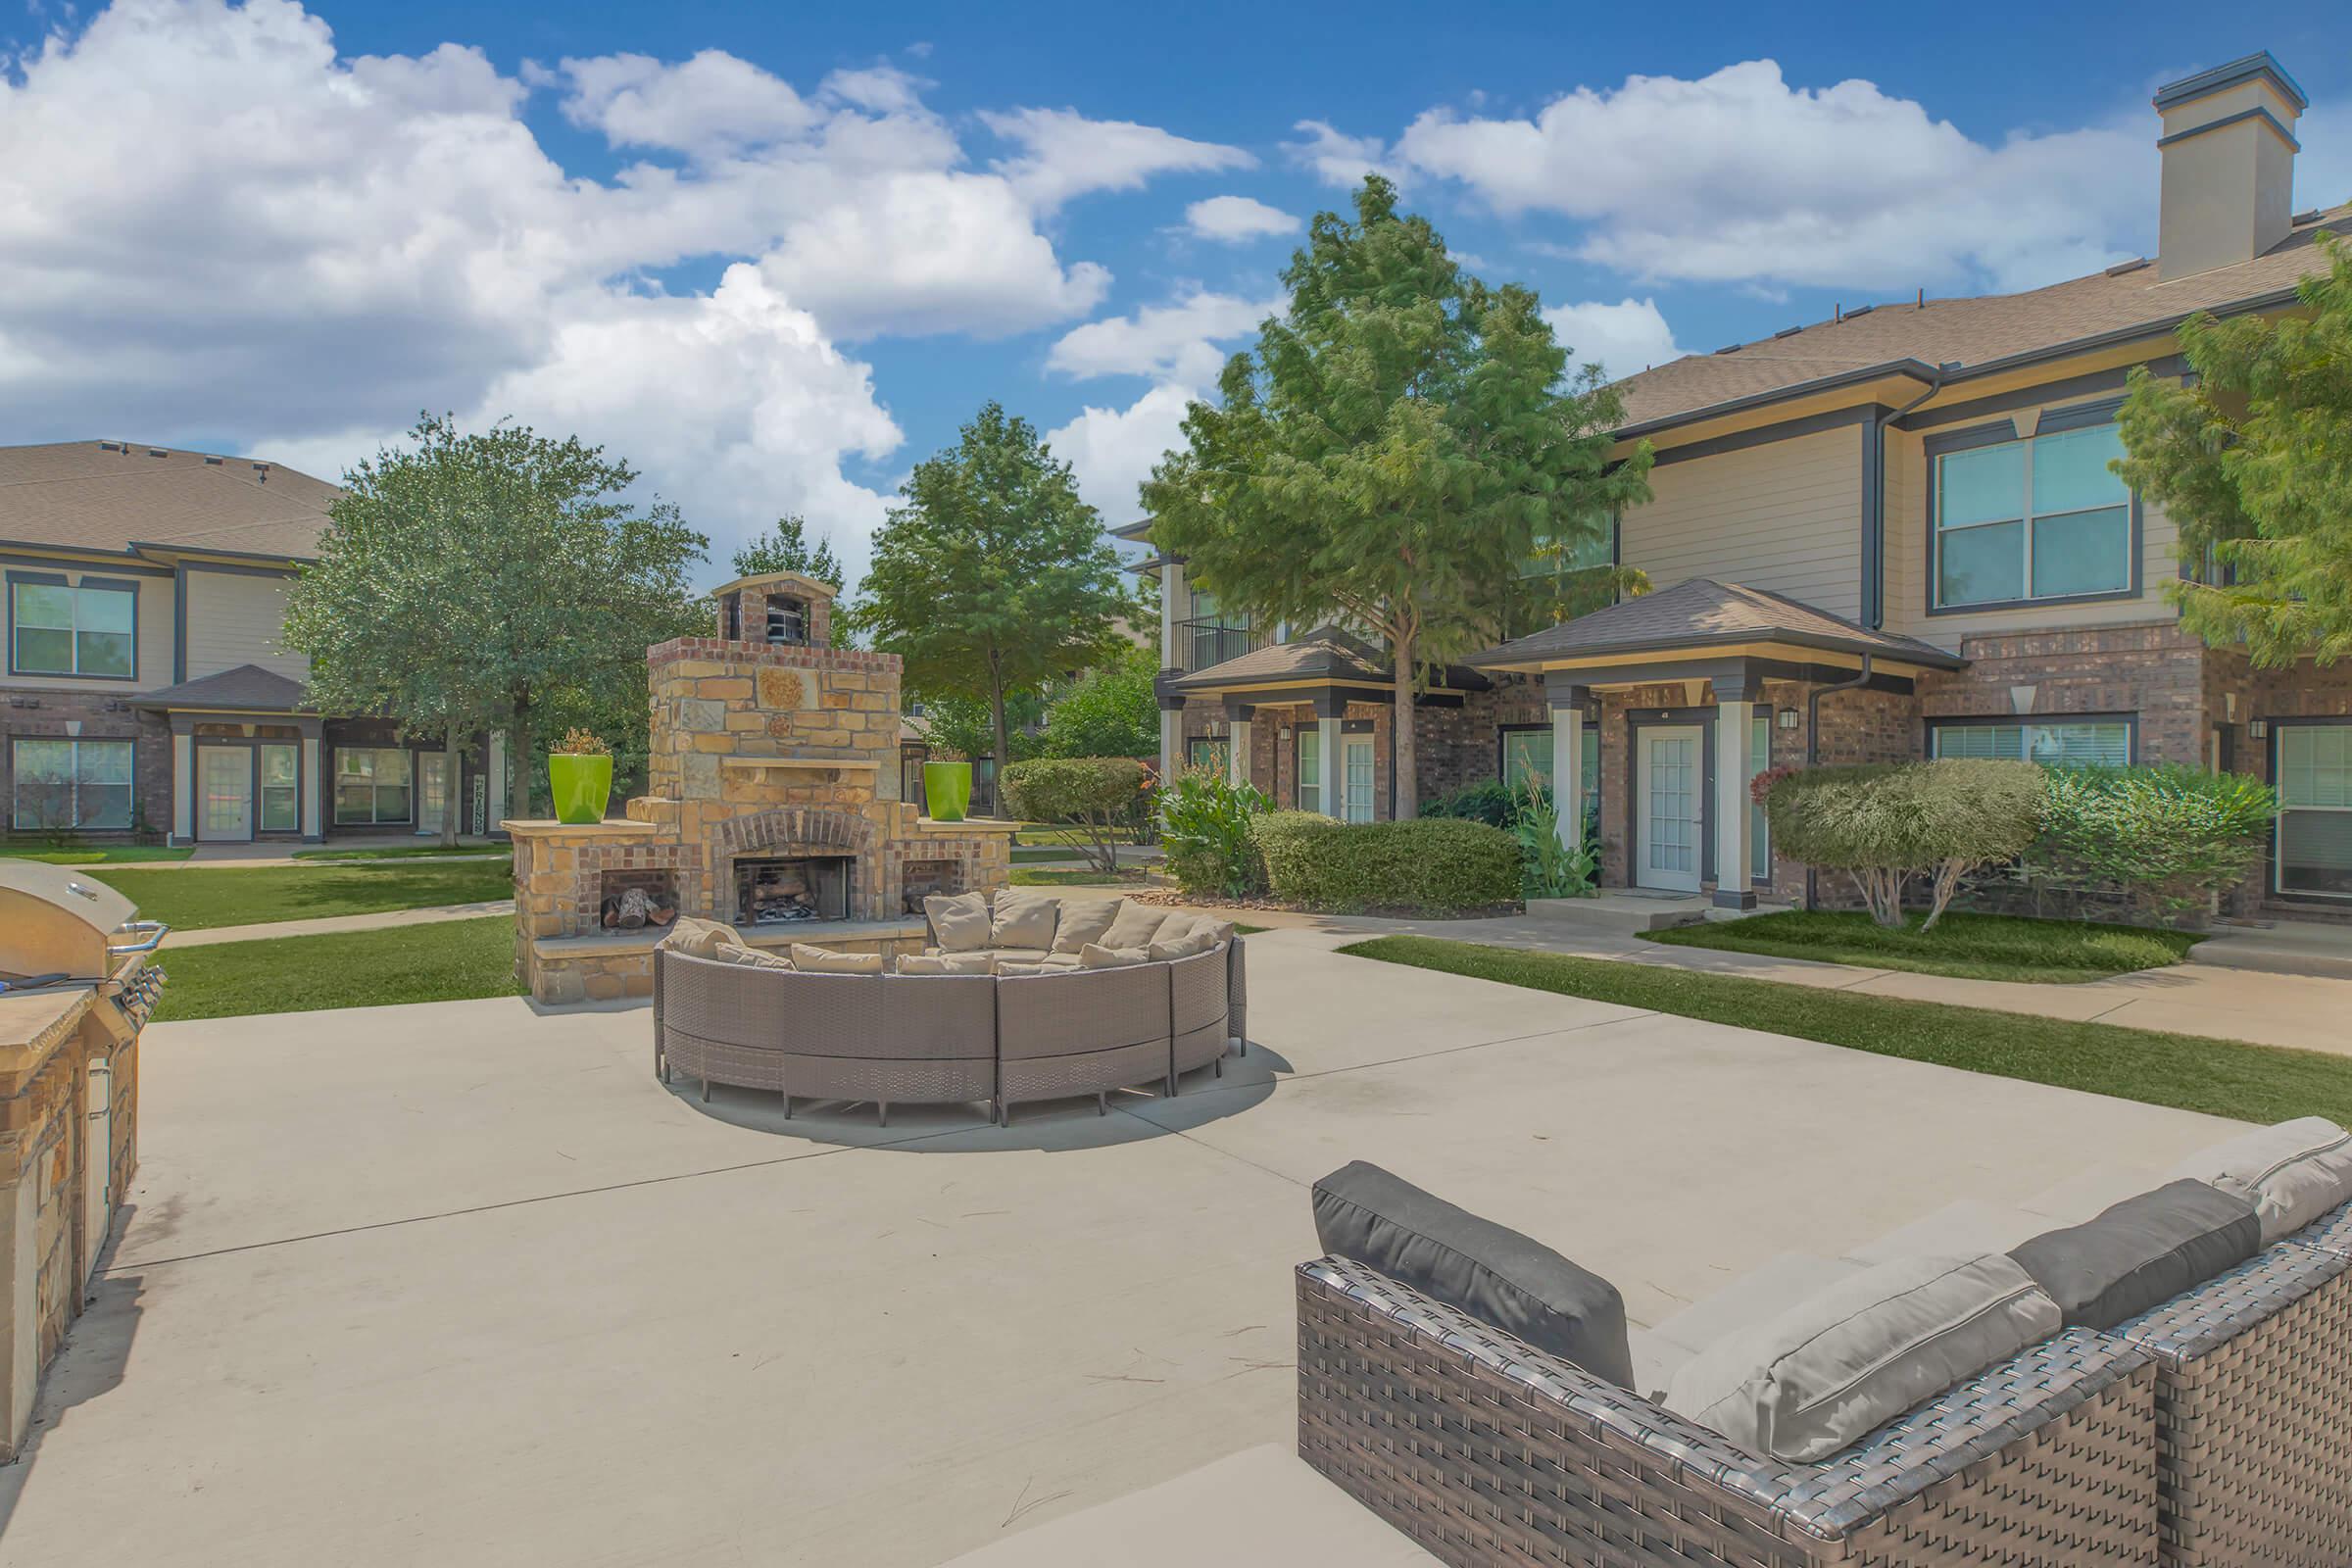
(774, 256)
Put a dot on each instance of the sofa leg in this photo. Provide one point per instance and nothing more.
(787, 1104)
(1102, 1105)
(705, 1089)
(1171, 1083)
(1220, 1066)
(883, 1108)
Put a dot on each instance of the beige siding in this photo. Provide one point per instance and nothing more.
(1908, 570)
(233, 619)
(1785, 517)
(154, 623)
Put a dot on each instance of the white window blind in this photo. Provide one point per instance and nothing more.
(2100, 743)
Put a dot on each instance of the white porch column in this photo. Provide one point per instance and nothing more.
(1236, 747)
(314, 788)
(495, 763)
(1568, 761)
(184, 787)
(1171, 742)
(1171, 656)
(1334, 788)
(1734, 707)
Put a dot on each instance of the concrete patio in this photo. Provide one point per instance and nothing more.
(462, 1284)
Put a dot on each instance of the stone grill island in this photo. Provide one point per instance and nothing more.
(773, 805)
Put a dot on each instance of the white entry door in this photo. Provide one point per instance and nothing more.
(1668, 792)
(1356, 767)
(224, 792)
(432, 790)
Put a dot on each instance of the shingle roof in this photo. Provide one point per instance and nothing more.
(1326, 653)
(245, 686)
(90, 494)
(1972, 333)
(1699, 611)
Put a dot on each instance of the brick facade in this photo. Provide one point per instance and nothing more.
(60, 714)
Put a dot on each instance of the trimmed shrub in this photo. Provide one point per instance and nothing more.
(1885, 823)
(1488, 801)
(1205, 828)
(2169, 839)
(1098, 794)
(1434, 865)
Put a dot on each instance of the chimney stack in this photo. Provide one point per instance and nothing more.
(2228, 146)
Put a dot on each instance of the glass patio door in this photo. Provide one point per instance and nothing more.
(2315, 809)
(224, 793)
(1668, 810)
(1356, 767)
(432, 790)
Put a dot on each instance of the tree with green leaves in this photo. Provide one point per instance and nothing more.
(1389, 454)
(1110, 710)
(2252, 459)
(786, 548)
(493, 578)
(992, 577)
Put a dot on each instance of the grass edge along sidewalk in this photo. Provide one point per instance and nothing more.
(1966, 947)
(447, 960)
(2187, 1072)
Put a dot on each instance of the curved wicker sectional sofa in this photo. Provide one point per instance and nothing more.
(933, 1039)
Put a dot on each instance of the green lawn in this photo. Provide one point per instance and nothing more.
(1974, 947)
(104, 854)
(447, 961)
(1034, 876)
(196, 898)
(1065, 835)
(2219, 1077)
(402, 852)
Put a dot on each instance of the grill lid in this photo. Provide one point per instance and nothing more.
(57, 919)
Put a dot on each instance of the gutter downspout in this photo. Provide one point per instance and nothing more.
(1874, 501)
(1813, 748)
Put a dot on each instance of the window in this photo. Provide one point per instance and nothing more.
(1564, 579)
(1215, 636)
(2102, 742)
(1205, 754)
(1311, 768)
(1759, 826)
(2043, 519)
(60, 629)
(280, 768)
(372, 785)
(2315, 808)
(787, 621)
(1527, 754)
(66, 785)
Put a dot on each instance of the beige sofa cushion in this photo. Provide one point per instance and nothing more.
(1135, 925)
(699, 939)
(1199, 936)
(824, 960)
(1016, 955)
(1023, 917)
(1095, 956)
(2291, 1173)
(1084, 921)
(1011, 969)
(959, 920)
(750, 957)
(1826, 1372)
(947, 964)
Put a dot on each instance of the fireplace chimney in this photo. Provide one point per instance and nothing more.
(2228, 146)
(776, 610)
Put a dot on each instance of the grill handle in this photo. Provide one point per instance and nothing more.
(153, 930)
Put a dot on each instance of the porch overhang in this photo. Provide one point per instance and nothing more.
(1324, 669)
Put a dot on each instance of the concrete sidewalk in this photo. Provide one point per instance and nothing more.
(2307, 1011)
(325, 925)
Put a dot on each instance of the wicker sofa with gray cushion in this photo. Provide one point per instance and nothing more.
(1472, 1388)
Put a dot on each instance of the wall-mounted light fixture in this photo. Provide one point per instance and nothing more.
(1787, 719)
(2260, 729)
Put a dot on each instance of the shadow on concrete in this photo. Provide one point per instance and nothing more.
(1049, 1126)
(89, 1364)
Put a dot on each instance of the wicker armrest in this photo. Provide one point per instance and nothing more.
(1483, 1449)
(2332, 1231)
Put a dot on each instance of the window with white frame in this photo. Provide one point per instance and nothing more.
(70, 785)
(1527, 754)
(1565, 578)
(59, 628)
(372, 785)
(1311, 768)
(2315, 815)
(2040, 519)
(2083, 743)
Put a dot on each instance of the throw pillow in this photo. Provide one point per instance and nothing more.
(1841, 1363)
(944, 964)
(1135, 925)
(699, 939)
(1495, 1275)
(1084, 921)
(1022, 918)
(2142, 1253)
(824, 960)
(1202, 938)
(959, 920)
(2292, 1173)
(1093, 957)
(1010, 968)
(748, 957)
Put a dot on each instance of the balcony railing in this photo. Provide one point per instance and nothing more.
(1214, 638)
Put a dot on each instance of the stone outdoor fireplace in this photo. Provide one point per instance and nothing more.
(772, 803)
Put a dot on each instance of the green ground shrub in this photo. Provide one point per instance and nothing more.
(1204, 831)
(1096, 795)
(1488, 801)
(1885, 823)
(2167, 838)
(1430, 864)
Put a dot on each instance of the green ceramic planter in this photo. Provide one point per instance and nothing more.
(947, 790)
(582, 785)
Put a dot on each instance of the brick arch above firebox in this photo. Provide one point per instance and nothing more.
(798, 826)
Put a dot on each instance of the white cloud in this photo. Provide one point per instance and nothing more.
(1336, 158)
(1622, 338)
(1113, 451)
(1064, 154)
(1738, 176)
(1177, 342)
(215, 227)
(1236, 219)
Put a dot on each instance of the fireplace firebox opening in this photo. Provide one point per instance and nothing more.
(804, 887)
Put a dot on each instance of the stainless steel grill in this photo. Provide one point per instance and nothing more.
(60, 927)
